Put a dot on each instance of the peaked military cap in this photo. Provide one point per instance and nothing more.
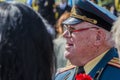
(85, 10)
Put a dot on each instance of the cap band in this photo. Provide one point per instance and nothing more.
(84, 18)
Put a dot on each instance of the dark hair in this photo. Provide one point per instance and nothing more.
(26, 49)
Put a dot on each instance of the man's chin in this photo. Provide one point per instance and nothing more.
(67, 54)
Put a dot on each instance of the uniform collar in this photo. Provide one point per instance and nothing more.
(90, 65)
(100, 66)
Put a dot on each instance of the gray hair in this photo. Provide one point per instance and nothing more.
(116, 34)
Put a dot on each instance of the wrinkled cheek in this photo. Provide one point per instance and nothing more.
(82, 49)
(79, 44)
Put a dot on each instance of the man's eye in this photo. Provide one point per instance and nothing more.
(71, 29)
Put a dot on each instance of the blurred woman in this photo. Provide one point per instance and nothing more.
(26, 49)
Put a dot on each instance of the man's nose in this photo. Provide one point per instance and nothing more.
(66, 34)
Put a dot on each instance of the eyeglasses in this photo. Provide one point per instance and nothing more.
(71, 29)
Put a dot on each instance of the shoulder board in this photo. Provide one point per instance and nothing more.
(66, 68)
(115, 62)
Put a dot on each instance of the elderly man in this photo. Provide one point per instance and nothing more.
(89, 46)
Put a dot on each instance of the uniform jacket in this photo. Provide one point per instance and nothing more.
(107, 69)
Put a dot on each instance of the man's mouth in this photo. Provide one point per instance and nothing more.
(68, 46)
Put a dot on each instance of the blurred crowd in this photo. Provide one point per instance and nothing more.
(51, 10)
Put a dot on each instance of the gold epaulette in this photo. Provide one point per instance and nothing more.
(66, 68)
(115, 62)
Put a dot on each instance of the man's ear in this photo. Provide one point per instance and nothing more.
(100, 37)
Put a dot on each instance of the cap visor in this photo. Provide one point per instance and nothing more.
(71, 21)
